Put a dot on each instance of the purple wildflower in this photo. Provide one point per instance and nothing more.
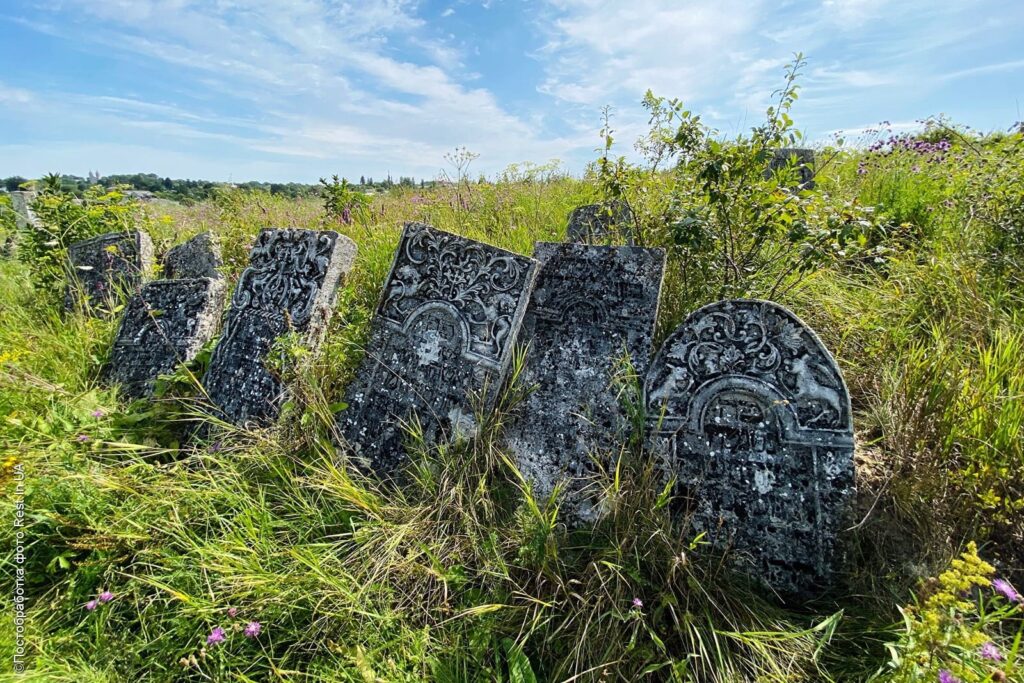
(216, 636)
(215, 447)
(253, 629)
(946, 677)
(91, 605)
(638, 603)
(106, 596)
(82, 438)
(1004, 588)
(991, 652)
(232, 611)
(98, 413)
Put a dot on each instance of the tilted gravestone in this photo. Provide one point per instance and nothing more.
(198, 257)
(442, 337)
(164, 325)
(289, 286)
(106, 267)
(590, 307)
(751, 414)
(600, 223)
(802, 161)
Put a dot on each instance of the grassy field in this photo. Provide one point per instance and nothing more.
(906, 259)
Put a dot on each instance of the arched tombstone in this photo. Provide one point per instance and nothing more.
(750, 414)
(600, 223)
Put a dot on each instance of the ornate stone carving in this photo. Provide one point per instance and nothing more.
(444, 331)
(164, 325)
(198, 257)
(289, 286)
(751, 415)
(600, 223)
(106, 268)
(591, 306)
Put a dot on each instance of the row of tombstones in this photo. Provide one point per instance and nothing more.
(747, 412)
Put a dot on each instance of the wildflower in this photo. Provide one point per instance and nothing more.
(232, 611)
(215, 448)
(991, 652)
(946, 677)
(98, 413)
(638, 603)
(91, 605)
(216, 636)
(82, 438)
(1004, 588)
(106, 596)
(253, 629)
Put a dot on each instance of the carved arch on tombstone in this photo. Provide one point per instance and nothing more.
(445, 309)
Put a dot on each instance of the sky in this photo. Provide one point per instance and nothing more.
(292, 90)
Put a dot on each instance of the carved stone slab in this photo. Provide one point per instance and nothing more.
(107, 266)
(751, 414)
(24, 216)
(289, 286)
(198, 257)
(444, 333)
(600, 223)
(802, 160)
(591, 305)
(164, 325)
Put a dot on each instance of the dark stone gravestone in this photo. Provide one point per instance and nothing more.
(106, 267)
(802, 161)
(289, 286)
(442, 338)
(750, 413)
(198, 257)
(591, 305)
(600, 223)
(164, 325)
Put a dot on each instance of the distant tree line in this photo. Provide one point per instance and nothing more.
(186, 190)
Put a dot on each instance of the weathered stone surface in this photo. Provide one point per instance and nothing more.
(198, 257)
(24, 216)
(802, 160)
(589, 307)
(751, 413)
(106, 267)
(444, 332)
(600, 223)
(289, 286)
(164, 325)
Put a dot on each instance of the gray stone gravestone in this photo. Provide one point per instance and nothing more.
(751, 414)
(289, 286)
(600, 223)
(443, 334)
(591, 305)
(801, 159)
(106, 267)
(24, 216)
(198, 257)
(164, 325)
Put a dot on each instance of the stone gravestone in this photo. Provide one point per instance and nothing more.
(107, 266)
(802, 161)
(289, 286)
(164, 325)
(24, 216)
(198, 257)
(751, 414)
(443, 334)
(591, 305)
(599, 223)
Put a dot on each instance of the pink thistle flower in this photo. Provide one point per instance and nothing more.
(98, 413)
(946, 677)
(91, 605)
(1004, 588)
(253, 629)
(216, 636)
(82, 438)
(232, 612)
(106, 596)
(638, 603)
(991, 652)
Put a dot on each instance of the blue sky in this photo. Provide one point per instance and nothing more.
(293, 90)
